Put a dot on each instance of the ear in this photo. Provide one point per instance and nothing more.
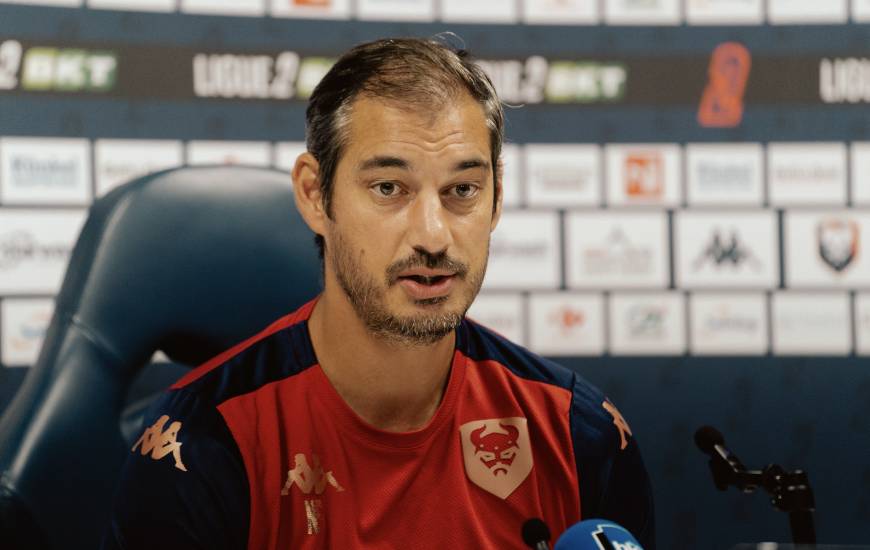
(307, 192)
(497, 179)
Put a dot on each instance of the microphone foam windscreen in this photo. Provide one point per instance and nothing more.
(535, 531)
(707, 437)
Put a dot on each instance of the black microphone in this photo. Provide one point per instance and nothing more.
(536, 534)
(726, 467)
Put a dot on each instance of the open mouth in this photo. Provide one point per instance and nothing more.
(428, 281)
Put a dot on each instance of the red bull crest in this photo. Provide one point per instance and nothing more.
(497, 453)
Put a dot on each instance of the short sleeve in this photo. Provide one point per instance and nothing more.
(184, 484)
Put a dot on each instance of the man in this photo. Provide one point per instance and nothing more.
(376, 416)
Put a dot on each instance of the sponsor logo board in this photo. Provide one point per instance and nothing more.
(35, 246)
(253, 8)
(862, 323)
(135, 5)
(643, 174)
(720, 174)
(811, 323)
(286, 154)
(844, 80)
(319, 9)
(566, 323)
(806, 173)
(23, 326)
(726, 249)
(561, 12)
(513, 183)
(480, 11)
(119, 161)
(396, 10)
(563, 175)
(807, 11)
(67, 3)
(39, 68)
(45, 171)
(617, 250)
(642, 12)
(724, 12)
(502, 313)
(861, 11)
(647, 324)
(283, 75)
(524, 252)
(860, 161)
(827, 248)
(728, 324)
(250, 153)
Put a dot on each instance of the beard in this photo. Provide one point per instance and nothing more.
(368, 297)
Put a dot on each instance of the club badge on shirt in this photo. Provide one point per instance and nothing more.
(497, 453)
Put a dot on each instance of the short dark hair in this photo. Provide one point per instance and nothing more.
(408, 71)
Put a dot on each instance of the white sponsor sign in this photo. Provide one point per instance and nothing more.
(225, 7)
(726, 249)
(561, 12)
(45, 171)
(827, 248)
(861, 11)
(480, 11)
(728, 324)
(502, 313)
(811, 323)
(566, 323)
(724, 12)
(35, 246)
(806, 173)
(860, 160)
(862, 323)
(250, 153)
(524, 252)
(23, 325)
(807, 11)
(720, 174)
(135, 5)
(396, 10)
(119, 161)
(647, 324)
(286, 154)
(642, 12)
(316, 9)
(563, 175)
(69, 3)
(616, 249)
(513, 183)
(646, 174)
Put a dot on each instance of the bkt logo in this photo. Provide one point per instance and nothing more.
(68, 70)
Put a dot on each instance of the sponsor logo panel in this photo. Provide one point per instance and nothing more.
(251, 153)
(811, 323)
(807, 11)
(280, 76)
(135, 5)
(643, 174)
(721, 174)
(861, 11)
(647, 324)
(862, 323)
(561, 12)
(286, 154)
(502, 313)
(563, 175)
(806, 173)
(844, 80)
(726, 249)
(35, 246)
(40, 68)
(642, 12)
(119, 161)
(480, 11)
(68, 3)
(319, 9)
(827, 248)
(45, 171)
(24, 322)
(524, 252)
(860, 160)
(513, 182)
(225, 7)
(728, 324)
(566, 323)
(396, 10)
(724, 12)
(617, 250)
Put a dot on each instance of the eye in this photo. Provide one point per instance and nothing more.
(386, 188)
(465, 190)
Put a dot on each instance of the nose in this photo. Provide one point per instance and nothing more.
(429, 227)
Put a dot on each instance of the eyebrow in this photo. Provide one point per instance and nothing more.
(396, 162)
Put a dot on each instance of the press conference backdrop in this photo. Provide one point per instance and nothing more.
(687, 198)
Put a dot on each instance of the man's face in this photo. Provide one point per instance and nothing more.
(412, 213)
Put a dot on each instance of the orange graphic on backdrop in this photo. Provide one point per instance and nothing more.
(644, 175)
(318, 3)
(722, 101)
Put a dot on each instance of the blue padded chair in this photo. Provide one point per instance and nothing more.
(189, 261)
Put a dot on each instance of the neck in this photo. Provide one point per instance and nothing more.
(392, 386)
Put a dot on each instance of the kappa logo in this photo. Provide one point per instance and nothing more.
(497, 453)
(838, 242)
(728, 251)
(309, 479)
(620, 424)
(159, 443)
